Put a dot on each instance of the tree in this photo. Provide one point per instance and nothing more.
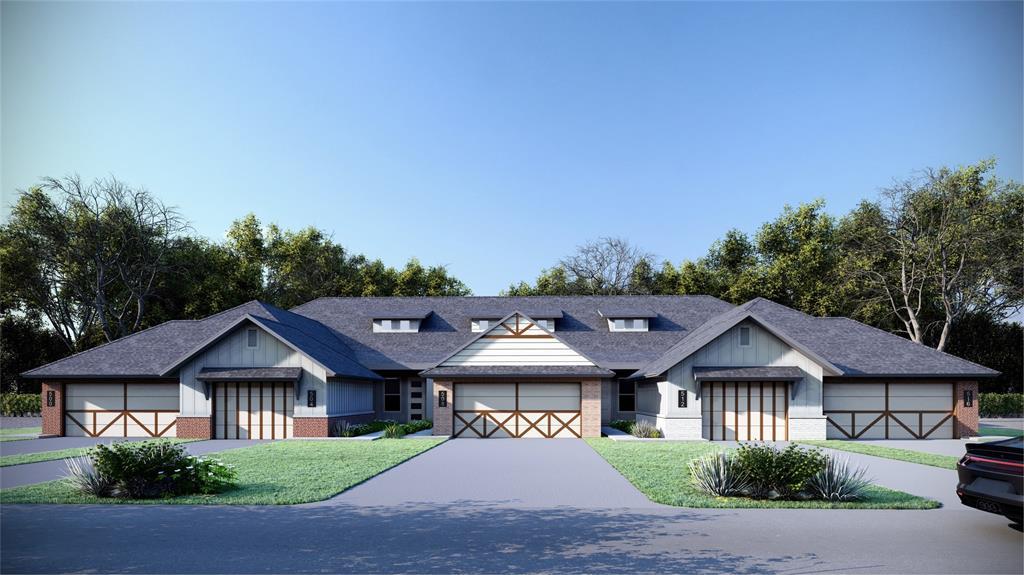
(993, 343)
(606, 266)
(948, 240)
(27, 343)
(78, 253)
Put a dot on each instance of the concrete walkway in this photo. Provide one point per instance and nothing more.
(15, 475)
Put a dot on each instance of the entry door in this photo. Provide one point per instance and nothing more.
(253, 410)
(745, 411)
(517, 410)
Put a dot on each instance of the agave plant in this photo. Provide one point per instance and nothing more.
(838, 481)
(719, 474)
(394, 431)
(645, 430)
(84, 477)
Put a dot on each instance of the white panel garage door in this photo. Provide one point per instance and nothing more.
(120, 409)
(889, 410)
(548, 410)
(253, 410)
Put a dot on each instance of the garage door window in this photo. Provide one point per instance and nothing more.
(392, 395)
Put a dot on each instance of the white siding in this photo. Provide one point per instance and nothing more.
(501, 347)
(349, 397)
(231, 351)
(765, 350)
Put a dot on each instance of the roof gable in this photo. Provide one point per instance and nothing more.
(516, 340)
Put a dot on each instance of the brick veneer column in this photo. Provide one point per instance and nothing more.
(590, 404)
(53, 417)
(966, 417)
(194, 427)
(311, 427)
(443, 415)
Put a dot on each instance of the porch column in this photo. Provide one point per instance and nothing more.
(590, 405)
(443, 413)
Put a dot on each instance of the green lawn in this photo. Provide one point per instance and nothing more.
(23, 458)
(1001, 431)
(7, 432)
(659, 470)
(283, 472)
(933, 459)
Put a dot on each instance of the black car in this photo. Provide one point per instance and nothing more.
(992, 477)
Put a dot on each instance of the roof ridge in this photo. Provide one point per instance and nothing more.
(928, 347)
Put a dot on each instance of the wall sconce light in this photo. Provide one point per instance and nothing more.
(968, 398)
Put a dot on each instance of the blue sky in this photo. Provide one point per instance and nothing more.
(494, 138)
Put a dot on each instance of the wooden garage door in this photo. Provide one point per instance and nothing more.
(745, 411)
(889, 410)
(253, 410)
(120, 409)
(517, 410)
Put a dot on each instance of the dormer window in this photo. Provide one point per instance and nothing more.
(252, 338)
(396, 325)
(479, 325)
(548, 324)
(627, 324)
(744, 336)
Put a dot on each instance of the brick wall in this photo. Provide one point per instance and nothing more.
(311, 427)
(194, 427)
(590, 405)
(443, 415)
(966, 417)
(53, 417)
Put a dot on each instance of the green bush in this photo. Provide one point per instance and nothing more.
(394, 431)
(838, 481)
(20, 404)
(1001, 404)
(645, 430)
(776, 473)
(719, 474)
(150, 469)
(346, 429)
(623, 425)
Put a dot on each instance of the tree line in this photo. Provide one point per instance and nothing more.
(936, 258)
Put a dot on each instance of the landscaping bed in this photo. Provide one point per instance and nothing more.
(661, 471)
(909, 455)
(284, 472)
(391, 429)
(23, 458)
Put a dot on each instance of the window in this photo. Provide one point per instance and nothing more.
(627, 324)
(416, 383)
(415, 406)
(479, 325)
(627, 396)
(548, 324)
(396, 325)
(392, 395)
(252, 338)
(416, 394)
(744, 337)
(416, 417)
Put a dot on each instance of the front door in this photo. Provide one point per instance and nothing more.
(517, 410)
(253, 410)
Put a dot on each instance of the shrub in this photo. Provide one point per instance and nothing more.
(83, 477)
(1001, 404)
(394, 431)
(775, 473)
(838, 481)
(418, 425)
(645, 430)
(149, 469)
(20, 404)
(719, 474)
(346, 429)
(623, 425)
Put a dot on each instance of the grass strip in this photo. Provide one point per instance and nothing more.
(909, 455)
(660, 471)
(23, 458)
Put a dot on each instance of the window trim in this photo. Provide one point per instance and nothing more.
(249, 331)
(618, 399)
(750, 336)
(629, 324)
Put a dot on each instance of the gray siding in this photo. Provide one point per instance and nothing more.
(231, 351)
(345, 397)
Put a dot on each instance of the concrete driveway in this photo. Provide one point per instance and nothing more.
(473, 506)
(500, 473)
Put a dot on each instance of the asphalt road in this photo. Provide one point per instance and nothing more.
(415, 518)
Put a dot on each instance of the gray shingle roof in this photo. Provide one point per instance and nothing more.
(250, 374)
(518, 370)
(337, 332)
(747, 373)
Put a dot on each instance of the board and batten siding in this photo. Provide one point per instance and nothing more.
(231, 351)
(657, 402)
(348, 397)
(517, 344)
